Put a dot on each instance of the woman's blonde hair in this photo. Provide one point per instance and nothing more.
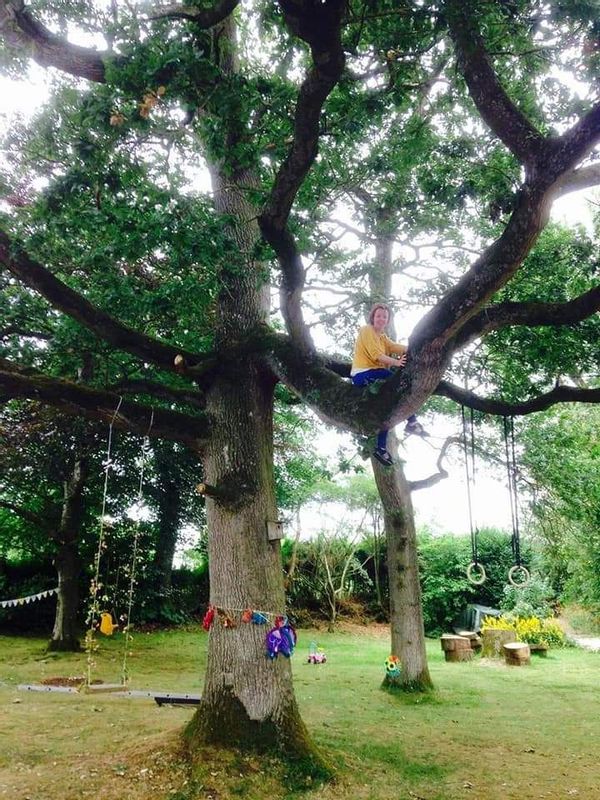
(374, 309)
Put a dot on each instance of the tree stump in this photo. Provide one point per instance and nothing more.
(493, 639)
(517, 654)
(474, 639)
(456, 648)
(539, 649)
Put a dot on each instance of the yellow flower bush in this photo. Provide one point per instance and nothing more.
(528, 629)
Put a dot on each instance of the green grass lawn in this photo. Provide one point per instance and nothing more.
(488, 732)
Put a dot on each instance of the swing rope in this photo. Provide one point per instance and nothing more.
(475, 571)
(95, 587)
(136, 538)
(511, 469)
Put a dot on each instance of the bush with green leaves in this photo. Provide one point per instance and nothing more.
(533, 600)
(443, 562)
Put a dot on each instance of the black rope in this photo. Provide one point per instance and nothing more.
(511, 469)
(470, 475)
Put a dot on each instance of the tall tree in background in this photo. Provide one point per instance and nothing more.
(259, 127)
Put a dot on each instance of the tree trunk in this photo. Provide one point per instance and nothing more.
(408, 634)
(65, 634)
(406, 611)
(248, 698)
(68, 563)
(169, 516)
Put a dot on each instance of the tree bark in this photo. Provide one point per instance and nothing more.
(65, 634)
(248, 699)
(169, 516)
(408, 634)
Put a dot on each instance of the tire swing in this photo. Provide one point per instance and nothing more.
(475, 571)
(518, 575)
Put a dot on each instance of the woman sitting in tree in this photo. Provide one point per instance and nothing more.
(375, 354)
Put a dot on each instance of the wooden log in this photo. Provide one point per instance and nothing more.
(493, 639)
(539, 649)
(459, 655)
(456, 648)
(473, 637)
(451, 642)
(517, 654)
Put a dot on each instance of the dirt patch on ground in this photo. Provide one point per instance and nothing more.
(78, 680)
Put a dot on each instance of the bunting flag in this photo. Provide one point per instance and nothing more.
(32, 598)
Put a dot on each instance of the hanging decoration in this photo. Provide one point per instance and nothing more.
(228, 617)
(392, 666)
(31, 598)
(281, 639)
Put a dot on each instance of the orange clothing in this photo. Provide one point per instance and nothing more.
(369, 345)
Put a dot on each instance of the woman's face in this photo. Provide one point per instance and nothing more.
(380, 319)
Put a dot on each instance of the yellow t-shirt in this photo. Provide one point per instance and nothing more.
(369, 345)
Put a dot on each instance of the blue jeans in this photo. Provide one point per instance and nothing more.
(370, 376)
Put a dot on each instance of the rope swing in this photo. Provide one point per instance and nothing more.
(134, 555)
(475, 571)
(106, 625)
(518, 575)
(94, 610)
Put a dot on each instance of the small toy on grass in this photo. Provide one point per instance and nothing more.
(392, 666)
(316, 654)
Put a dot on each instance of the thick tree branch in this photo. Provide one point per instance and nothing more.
(94, 404)
(560, 394)
(27, 36)
(488, 94)
(160, 391)
(584, 178)
(27, 515)
(16, 330)
(441, 474)
(337, 401)
(70, 302)
(319, 25)
(203, 17)
(563, 153)
(504, 315)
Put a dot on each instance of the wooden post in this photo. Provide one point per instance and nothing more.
(517, 654)
(456, 648)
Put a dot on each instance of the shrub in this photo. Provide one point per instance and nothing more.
(532, 630)
(533, 600)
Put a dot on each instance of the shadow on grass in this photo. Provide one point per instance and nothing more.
(393, 756)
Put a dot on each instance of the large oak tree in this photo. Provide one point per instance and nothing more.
(258, 122)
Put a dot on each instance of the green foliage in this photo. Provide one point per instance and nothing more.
(525, 360)
(443, 562)
(562, 454)
(533, 600)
